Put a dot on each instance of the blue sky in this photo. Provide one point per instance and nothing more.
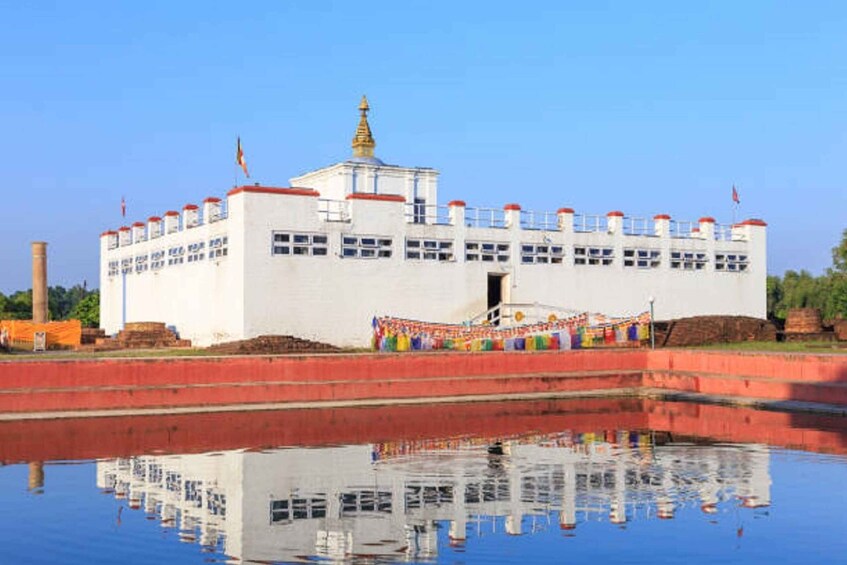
(645, 107)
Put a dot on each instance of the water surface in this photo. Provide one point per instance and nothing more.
(633, 481)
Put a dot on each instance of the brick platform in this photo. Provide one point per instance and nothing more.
(704, 330)
(28, 387)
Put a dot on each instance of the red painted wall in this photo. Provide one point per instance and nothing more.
(47, 386)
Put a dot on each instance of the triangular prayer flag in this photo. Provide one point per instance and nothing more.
(735, 197)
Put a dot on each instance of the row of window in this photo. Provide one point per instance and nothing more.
(218, 247)
(288, 243)
(374, 247)
(416, 496)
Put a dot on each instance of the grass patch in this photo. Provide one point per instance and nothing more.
(141, 353)
(22, 355)
(780, 346)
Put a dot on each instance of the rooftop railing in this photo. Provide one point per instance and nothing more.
(419, 213)
(544, 221)
(485, 218)
(724, 232)
(638, 226)
(683, 229)
(586, 223)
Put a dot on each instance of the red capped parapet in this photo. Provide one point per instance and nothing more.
(707, 220)
(274, 191)
(457, 203)
(139, 232)
(154, 227)
(614, 221)
(211, 209)
(171, 221)
(513, 207)
(754, 222)
(376, 197)
(662, 217)
(124, 236)
(190, 216)
(565, 211)
(111, 238)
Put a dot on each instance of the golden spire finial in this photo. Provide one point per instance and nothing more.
(363, 141)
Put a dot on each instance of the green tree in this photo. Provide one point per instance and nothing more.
(87, 310)
(774, 294)
(19, 305)
(839, 255)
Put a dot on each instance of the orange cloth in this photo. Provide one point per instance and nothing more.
(58, 333)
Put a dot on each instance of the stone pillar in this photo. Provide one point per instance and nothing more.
(39, 282)
(36, 475)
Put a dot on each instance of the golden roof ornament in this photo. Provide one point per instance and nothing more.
(363, 141)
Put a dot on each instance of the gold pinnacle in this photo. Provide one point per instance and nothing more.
(363, 141)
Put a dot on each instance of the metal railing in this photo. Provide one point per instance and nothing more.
(222, 214)
(683, 229)
(333, 210)
(485, 218)
(590, 223)
(638, 226)
(508, 314)
(724, 232)
(418, 213)
(545, 221)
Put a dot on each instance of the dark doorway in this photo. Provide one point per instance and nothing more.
(495, 296)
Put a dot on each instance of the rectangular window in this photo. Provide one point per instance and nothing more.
(429, 249)
(731, 262)
(218, 247)
(593, 256)
(487, 251)
(196, 251)
(140, 263)
(688, 260)
(286, 510)
(642, 258)
(302, 244)
(176, 255)
(541, 254)
(157, 260)
(365, 501)
(365, 247)
(114, 268)
(126, 265)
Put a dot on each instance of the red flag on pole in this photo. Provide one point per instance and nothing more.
(735, 197)
(240, 160)
(123, 207)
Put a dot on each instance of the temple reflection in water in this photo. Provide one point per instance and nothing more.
(386, 498)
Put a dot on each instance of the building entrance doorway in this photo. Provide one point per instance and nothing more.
(497, 291)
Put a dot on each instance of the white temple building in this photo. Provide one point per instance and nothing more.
(363, 238)
(387, 499)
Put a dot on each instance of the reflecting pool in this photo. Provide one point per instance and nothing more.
(602, 480)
